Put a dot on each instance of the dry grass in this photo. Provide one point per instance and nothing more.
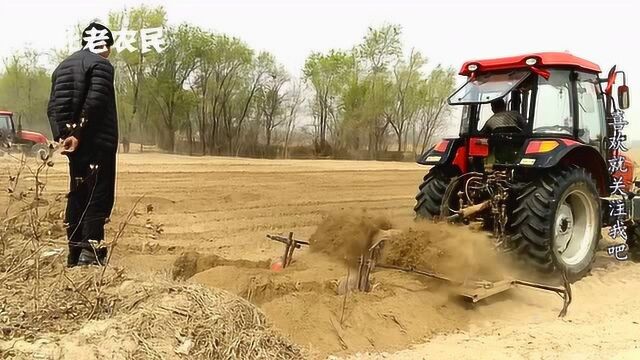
(202, 323)
(108, 313)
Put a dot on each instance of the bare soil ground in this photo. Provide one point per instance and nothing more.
(213, 214)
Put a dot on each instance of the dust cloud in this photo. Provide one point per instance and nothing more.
(456, 251)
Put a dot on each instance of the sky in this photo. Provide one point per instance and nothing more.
(448, 32)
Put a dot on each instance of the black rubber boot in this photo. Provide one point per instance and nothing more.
(73, 256)
(88, 257)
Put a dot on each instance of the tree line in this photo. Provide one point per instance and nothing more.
(210, 93)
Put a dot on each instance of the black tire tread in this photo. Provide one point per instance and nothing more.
(534, 213)
(431, 193)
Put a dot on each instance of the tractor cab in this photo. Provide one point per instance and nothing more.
(517, 110)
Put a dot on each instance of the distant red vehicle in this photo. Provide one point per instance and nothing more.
(29, 142)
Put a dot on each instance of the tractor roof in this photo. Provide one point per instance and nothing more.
(3, 112)
(544, 59)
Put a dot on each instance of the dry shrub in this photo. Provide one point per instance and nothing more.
(97, 312)
(67, 299)
(164, 319)
(218, 324)
(38, 294)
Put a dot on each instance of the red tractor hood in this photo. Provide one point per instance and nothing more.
(32, 136)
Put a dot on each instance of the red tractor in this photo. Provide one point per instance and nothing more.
(29, 142)
(531, 160)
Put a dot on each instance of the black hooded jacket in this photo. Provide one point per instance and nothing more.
(82, 88)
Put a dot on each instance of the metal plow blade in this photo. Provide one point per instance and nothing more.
(474, 290)
(478, 290)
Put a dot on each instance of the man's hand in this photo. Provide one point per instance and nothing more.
(69, 145)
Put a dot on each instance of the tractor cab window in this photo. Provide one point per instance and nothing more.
(488, 87)
(553, 105)
(5, 122)
(590, 110)
(517, 103)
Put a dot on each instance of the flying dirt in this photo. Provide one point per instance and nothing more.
(309, 297)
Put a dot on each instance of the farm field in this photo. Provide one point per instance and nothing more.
(213, 214)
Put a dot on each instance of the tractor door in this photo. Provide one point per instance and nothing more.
(590, 111)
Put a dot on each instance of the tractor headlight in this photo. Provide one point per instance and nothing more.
(531, 61)
(472, 67)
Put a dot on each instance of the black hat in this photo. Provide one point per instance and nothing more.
(99, 27)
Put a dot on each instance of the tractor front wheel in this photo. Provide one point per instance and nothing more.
(557, 222)
(431, 193)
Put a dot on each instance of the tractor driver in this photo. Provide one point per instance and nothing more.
(503, 120)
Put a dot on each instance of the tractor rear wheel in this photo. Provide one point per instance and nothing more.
(556, 223)
(431, 193)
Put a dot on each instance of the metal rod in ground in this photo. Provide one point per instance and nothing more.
(368, 266)
(292, 248)
(364, 274)
(285, 258)
(419, 272)
(360, 267)
(568, 296)
(367, 263)
(556, 289)
(284, 240)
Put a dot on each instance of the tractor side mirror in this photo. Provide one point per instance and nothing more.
(623, 97)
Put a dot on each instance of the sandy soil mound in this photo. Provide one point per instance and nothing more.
(192, 262)
(167, 320)
(302, 301)
(345, 235)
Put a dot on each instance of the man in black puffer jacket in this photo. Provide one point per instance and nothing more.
(83, 118)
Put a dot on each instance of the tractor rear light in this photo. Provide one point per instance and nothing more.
(441, 146)
(479, 147)
(569, 142)
(540, 146)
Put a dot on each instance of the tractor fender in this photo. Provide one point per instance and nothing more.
(32, 136)
(568, 153)
(448, 152)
